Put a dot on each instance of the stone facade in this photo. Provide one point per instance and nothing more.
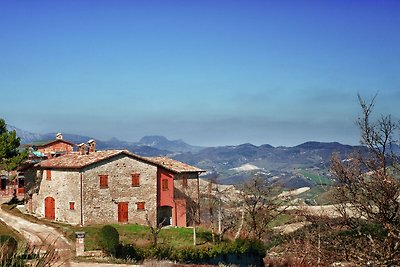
(63, 187)
(101, 204)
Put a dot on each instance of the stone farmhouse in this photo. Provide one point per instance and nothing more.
(51, 149)
(114, 186)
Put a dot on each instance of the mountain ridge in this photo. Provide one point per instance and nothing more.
(287, 163)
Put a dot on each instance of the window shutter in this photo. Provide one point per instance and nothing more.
(164, 184)
(140, 205)
(135, 179)
(103, 181)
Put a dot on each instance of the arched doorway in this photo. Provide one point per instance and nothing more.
(164, 215)
(49, 208)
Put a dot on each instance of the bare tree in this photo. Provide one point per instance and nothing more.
(261, 204)
(222, 208)
(193, 208)
(369, 189)
(154, 228)
(212, 204)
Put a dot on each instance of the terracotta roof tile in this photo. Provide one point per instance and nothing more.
(77, 161)
(47, 143)
(174, 165)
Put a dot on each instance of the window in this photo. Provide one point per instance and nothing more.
(184, 181)
(48, 175)
(140, 205)
(164, 184)
(135, 179)
(72, 205)
(103, 181)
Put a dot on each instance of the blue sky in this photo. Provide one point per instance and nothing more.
(208, 72)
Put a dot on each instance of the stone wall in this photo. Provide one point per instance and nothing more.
(64, 188)
(101, 204)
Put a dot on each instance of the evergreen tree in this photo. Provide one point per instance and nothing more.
(10, 156)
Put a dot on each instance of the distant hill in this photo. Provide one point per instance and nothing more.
(160, 142)
(26, 137)
(148, 146)
(308, 154)
(288, 164)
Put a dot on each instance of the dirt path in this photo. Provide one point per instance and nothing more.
(41, 236)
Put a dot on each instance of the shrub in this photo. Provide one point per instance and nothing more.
(222, 252)
(109, 239)
(160, 252)
(130, 252)
(206, 254)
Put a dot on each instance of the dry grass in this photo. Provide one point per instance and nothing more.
(5, 230)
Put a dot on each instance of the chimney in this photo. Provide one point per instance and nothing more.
(59, 136)
(91, 146)
(82, 149)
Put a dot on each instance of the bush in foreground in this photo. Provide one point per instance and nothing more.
(224, 252)
(109, 239)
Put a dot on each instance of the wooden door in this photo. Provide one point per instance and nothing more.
(123, 212)
(49, 208)
(4, 183)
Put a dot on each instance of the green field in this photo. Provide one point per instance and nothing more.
(319, 195)
(316, 178)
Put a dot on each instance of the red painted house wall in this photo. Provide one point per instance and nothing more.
(180, 212)
(165, 197)
(55, 147)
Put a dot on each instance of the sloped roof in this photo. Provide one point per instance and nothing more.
(78, 161)
(47, 143)
(173, 165)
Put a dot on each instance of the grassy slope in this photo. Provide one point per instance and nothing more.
(317, 179)
(319, 195)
